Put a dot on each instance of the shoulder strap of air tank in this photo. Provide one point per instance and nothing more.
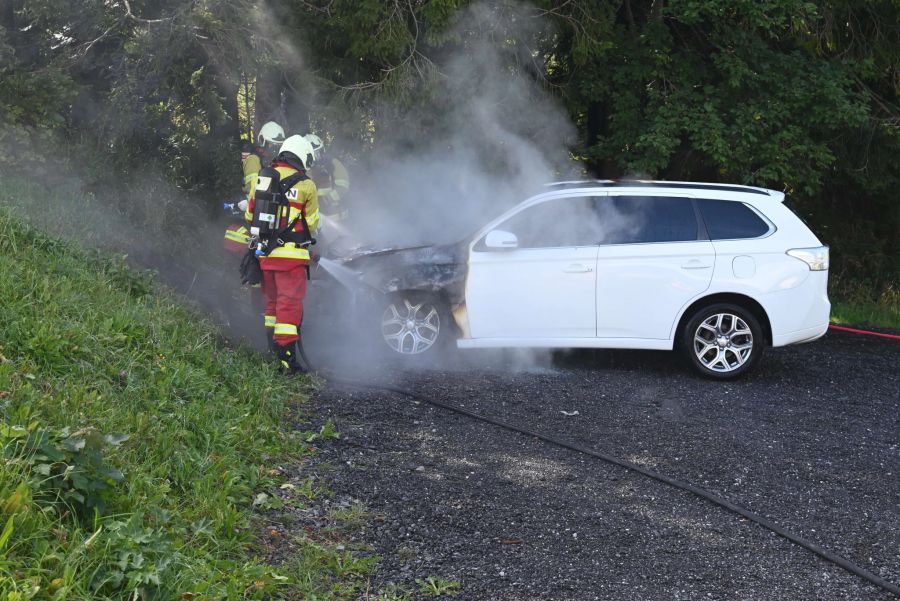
(291, 180)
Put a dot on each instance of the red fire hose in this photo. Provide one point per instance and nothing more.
(866, 332)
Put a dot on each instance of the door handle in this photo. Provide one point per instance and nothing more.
(578, 268)
(695, 264)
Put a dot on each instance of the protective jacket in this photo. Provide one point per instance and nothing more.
(251, 166)
(303, 199)
(333, 183)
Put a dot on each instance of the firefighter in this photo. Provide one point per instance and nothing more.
(285, 259)
(332, 180)
(268, 141)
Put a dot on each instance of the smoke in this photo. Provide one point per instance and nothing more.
(486, 137)
(141, 217)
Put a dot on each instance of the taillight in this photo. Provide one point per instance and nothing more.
(816, 258)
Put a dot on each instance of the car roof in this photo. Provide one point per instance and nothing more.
(625, 183)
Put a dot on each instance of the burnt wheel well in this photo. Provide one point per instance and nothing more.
(736, 299)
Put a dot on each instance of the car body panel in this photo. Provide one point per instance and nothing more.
(641, 287)
(611, 343)
(532, 293)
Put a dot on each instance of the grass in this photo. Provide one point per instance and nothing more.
(135, 444)
(853, 304)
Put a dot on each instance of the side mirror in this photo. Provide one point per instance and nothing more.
(500, 239)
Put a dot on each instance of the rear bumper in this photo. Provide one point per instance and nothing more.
(800, 314)
(800, 336)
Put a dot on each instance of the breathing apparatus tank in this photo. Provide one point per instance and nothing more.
(269, 225)
(270, 204)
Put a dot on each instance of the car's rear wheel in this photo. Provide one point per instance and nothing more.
(723, 341)
(415, 323)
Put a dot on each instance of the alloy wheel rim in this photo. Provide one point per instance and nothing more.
(723, 342)
(410, 328)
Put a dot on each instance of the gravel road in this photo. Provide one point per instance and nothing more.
(810, 441)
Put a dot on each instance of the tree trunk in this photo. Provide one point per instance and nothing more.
(269, 95)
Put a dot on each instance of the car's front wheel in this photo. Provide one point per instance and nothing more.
(723, 341)
(414, 324)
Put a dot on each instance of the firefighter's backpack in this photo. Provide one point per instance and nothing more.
(271, 209)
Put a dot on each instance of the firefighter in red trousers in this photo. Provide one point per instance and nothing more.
(284, 264)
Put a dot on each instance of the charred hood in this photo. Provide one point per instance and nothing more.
(434, 268)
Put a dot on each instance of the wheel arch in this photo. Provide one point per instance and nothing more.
(741, 300)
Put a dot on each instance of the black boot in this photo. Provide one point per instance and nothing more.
(270, 337)
(290, 363)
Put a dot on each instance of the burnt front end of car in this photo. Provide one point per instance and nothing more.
(438, 269)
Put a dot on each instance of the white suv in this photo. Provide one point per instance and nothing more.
(718, 271)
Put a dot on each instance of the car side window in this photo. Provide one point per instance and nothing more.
(558, 222)
(731, 220)
(646, 219)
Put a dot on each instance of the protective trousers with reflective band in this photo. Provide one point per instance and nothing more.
(285, 291)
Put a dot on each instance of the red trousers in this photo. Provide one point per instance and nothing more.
(284, 291)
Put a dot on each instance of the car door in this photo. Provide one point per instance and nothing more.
(650, 264)
(543, 288)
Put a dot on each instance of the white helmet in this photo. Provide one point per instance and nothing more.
(300, 147)
(317, 144)
(270, 133)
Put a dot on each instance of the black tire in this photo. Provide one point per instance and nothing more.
(413, 324)
(723, 341)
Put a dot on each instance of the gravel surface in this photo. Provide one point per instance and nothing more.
(810, 441)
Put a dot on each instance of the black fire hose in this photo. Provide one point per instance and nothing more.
(704, 494)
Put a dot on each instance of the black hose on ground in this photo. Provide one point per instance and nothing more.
(704, 494)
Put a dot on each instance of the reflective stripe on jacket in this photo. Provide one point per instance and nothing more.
(237, 238)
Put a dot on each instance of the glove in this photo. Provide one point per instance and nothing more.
(314, 256)
(242, 206)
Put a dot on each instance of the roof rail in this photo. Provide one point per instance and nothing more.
(621, 183)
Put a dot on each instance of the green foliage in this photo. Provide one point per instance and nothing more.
(165, 509)
(64, 466)
(855, 303)
(326, 432)
(435, 586)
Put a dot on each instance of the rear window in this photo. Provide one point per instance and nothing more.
(647, 219)
(730, 220)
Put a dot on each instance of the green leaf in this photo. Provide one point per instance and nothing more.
(74, 443)
(7, 532)
(7, 431)
(116, 439)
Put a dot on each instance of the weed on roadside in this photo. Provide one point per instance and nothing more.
(435, 586)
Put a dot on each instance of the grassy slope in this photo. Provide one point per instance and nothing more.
(89, 348)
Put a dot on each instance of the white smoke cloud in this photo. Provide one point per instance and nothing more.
(489, 138)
